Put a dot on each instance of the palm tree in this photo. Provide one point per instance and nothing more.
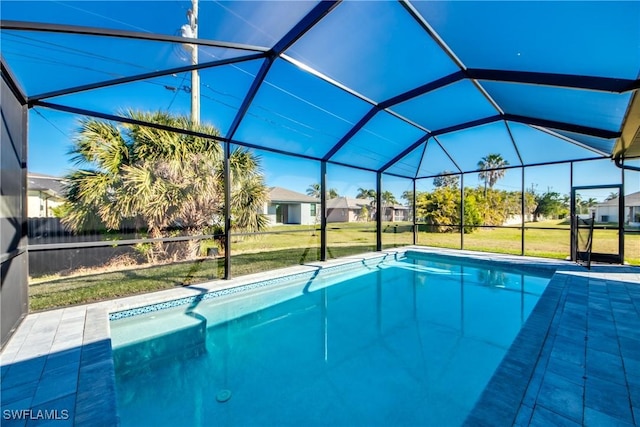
(371, 195)
(159, 179)
(612, 195)
(388, 198)
(491, 167)
(314, 191)
(364, 193)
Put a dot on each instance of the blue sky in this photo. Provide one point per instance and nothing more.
(297, 111)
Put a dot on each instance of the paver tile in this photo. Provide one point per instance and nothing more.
(595, 418)
(569, 350)
(605, 366)
(542, 417)
(523, 419)
(18, 392)
(15, 415)
(60, 412)
(561, 396)
(609, 398)
(567, 370)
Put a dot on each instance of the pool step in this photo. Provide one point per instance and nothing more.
(143, 342)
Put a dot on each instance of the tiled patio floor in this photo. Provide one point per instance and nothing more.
(575, 362)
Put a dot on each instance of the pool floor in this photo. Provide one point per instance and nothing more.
(403, 343)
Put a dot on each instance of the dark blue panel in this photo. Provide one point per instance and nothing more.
(408, 165)
(436, 161)
(45, 62)
(260, 23)
(592, 38)
(536, 146)
(383, 138)
(298, 112)
(601, 144)
(459, 102)
(222, 90)
(375, 48)
(581, 107)
(469, 146)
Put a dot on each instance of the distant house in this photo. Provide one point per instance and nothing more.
(396, 213)
(607, 211)
(289, 207)
(44, 192)
(344, 209)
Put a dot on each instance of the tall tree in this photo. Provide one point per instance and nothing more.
(159, 179)
(446, 179)
(388, 198)
(408, 196)
(314, 191)
(611, 196)
(364, 193)
(491, 169)
(371, 195)
(549, 204)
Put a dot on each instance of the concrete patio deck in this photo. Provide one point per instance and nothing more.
(575, 362)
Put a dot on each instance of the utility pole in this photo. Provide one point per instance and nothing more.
(191, 30)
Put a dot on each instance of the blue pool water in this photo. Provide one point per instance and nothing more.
(412, 341)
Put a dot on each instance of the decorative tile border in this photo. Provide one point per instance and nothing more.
(209, 295)
(117, 315)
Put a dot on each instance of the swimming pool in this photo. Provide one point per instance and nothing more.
(404, 340)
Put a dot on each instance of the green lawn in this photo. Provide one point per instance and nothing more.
(293, 245)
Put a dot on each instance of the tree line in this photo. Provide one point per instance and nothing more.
(441, 208)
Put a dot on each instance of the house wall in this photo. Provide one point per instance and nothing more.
(338, 215)
(342, 215)
(294, 213)
(633, 212)
(40, 205)
(270, 211)
(391, 214)
(305, 214)
(13, 208)
(298, 213)
(401, 215)
(610, 211)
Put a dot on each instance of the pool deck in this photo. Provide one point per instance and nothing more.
(575, 362)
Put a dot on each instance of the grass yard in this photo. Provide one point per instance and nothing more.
(292, 245)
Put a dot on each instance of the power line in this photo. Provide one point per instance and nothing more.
(177, 90)
(37, 110)
(103, 16)
(71, 50)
